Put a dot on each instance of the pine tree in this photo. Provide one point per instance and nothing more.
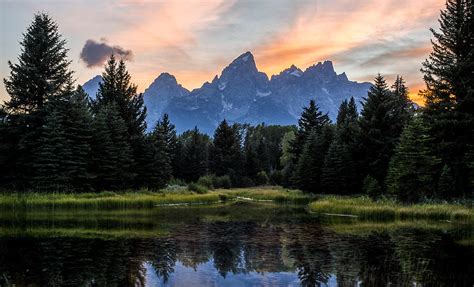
(449, 90)
(154, 170)
(372, 187)
(446, 189)
(196, 154)
(414, 166)
(448, 69)
(252, 166)
(112, 155)
(78, 125)
(338, 174)
(342, 112)
(310, 165)
(379, 130)
(226, 155)
(403, 105)
(311, 119)
(53, 154)
(42, 74)
(63, 157)
(166, 131)
(340, 169)
(117, 89)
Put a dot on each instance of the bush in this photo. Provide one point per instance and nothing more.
(247, 182)
(261, 178)
(206, 181)
(222, 182)
(177, 181)
(276, 177)
(371, 187)
(197, 188)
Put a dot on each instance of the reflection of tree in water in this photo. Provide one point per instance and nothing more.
(163, 255)
(432, 258)
(399, 258)
(307, 246)
(380, 266)
(226, 244)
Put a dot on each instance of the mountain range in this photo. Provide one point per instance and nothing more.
(245, 95)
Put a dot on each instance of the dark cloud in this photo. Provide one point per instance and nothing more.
(96, 53)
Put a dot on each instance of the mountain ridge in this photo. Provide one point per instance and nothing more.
(244, 94)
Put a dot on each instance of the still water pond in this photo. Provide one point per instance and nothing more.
(239, 244)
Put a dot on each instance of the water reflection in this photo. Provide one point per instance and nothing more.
(231, 246)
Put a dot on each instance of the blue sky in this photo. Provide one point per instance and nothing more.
(194, 40)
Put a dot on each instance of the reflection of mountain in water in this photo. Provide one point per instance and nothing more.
(277, 249)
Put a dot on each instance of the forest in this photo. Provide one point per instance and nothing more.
(54, 138)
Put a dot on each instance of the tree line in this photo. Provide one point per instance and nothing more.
(55, 138)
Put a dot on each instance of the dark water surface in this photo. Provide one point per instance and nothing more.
(238, 244)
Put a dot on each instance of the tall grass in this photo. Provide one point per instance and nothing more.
(144, 199)
(269, 193)
(102, 200)
(366, 208)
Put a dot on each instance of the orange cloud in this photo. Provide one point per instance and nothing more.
(319, 34)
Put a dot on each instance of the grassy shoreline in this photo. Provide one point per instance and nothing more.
(145, 199)
(359, 207)
(365, 208)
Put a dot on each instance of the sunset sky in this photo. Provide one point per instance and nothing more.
(195, 40)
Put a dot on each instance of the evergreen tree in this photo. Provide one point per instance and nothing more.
(252, 166)
(348, 126)
(311, 119)
(342, 112)
(154, 170)
(449, 90)
(53, 154)
(372, 187)
(339, 174)
(63, 156)
(310, 165)
(41, 74)
(116, 89)
(286, 159)
(77, 125)
(414, 167)
(226, 155)
(379, 130)
(448, 69)
(112, 155)
(166, 132)
(446, 189)
(196, 155)
(339, 171)
(403, 105)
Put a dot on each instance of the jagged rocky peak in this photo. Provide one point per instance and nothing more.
(292, 71)
(343, 77)
(245, 63)
(166, 77)
(91, 87)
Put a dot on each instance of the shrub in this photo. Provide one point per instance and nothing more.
(177, 181)
(371, 187)
(261, 178)
(222, 182)
(247, 182)
(206, 181)
(276, 177)
(197, 188)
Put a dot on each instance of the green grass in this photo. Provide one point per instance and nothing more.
(365, 208)
(268, 193)
(103, 200)
(144, 199)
